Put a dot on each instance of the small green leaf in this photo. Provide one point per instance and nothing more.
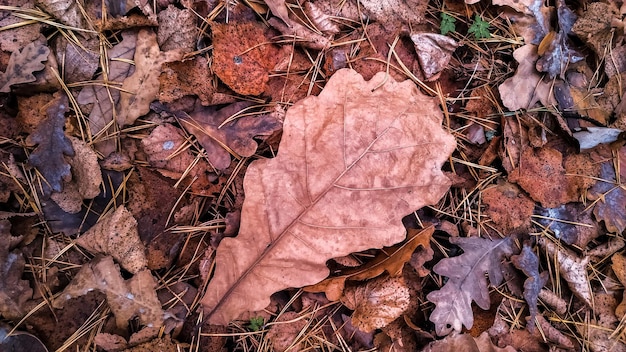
(479, 28)
(447, 24)
(256, 323)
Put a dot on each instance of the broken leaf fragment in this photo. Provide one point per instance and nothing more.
(135, 297)
(377, 302)
(352, 162)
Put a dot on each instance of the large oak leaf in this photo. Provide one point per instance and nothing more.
(352, 162)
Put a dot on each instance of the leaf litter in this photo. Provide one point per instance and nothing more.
(233, 129)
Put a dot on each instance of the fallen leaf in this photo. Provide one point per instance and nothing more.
(391, 12)
(619, 268)
(243, 56)
(22, 65)
(528, 262)
(594, 27)
(467, 281)
(135, 297)
(285, 331)
(610, 204)
(20, 341)
(352, 145)
(572, 268)
(571, 223)
(466, 343)
(52, 145)
(14, 291)
(390, 260)
(67, 12)
(116, 235)
(222, 132)
(323, 22)
(16, 38)
(177, 29)
(78, 63)
(542, 175)
(190, 77)
(164, 147)
(590, 137)
(508, 207)
(142, 87)
(377, 302)
(434, 52)
(104, 98)
(526, 87)
(553, 334)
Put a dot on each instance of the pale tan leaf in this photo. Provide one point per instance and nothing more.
(526, 87)
(22, 65)
(66, 11)
(142, 87)
(352, 162)
(572, 268)
(619, 268)
(466, 343)
(135, 297)
(377, 303)
(391, 12)
(116, 235)
(434, 52)
(177, 29)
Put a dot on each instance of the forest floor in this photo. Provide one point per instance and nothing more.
(329, 175)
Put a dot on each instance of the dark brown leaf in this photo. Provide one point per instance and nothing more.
(528, 262)
(22, 65)
(14, 291)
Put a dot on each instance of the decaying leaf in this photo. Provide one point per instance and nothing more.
(190, 77)
(285, 332)
(142, 87)
(352, 162)
(610, 206)
(221, 138)
(595, 27)
(434, 52)
(164, 147)
(66, 11)
(86, 178)
(20, 341)
(508, 207)
(135, 297)
(526, 87)
(243, 56)
(14, 291)
(177, 29)
(572, 268)
(116, 235)
(528, 262)
(390, 12)
(467, 281)
(571, 223)
(390, 260)
(22, 65)
(377, 302)
(619, 268)
(466, 343)
(52, 145)
(104, 97)
(553, 334)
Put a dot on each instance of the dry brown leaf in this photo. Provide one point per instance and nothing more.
(13, 39)
(243, 56)
(190, 77)
(352, 162)
(526, 87)
(52, 145)
(67, 12)
(466, 343)
(116, 235)
(508, 207)
(135, 297)
(528, 262)
(285, 331)
(177, 29)
(571, 223)
(619, 268)
(390, 259)
(215, 134)
(391, 12)
(434, 52)
(572, 268)
(86, 178)
(14, 291)
(104, 98)
(164, 147)
(142, 87)
(553, 334)
(22, 65)
(594, 27)
(377, 302)
(78, 63)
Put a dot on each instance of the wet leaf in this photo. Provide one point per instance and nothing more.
(352, 162)
(52, 145)
(135, 297)
(467, 281)
(22, 65)
(377, 302)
